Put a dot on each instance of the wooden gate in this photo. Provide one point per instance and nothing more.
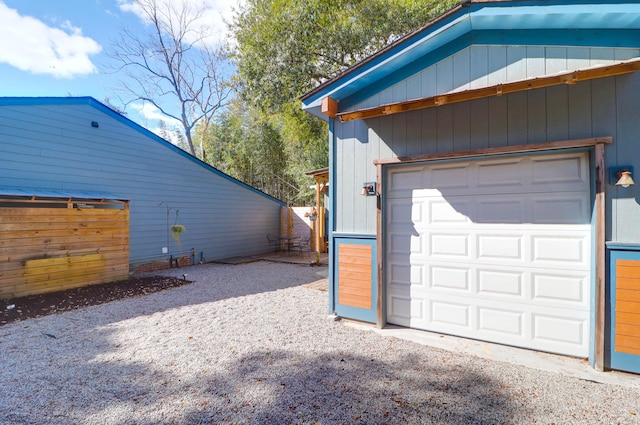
(53, 245)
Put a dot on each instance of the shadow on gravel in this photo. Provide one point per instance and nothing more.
(103, 384)
(284, 388)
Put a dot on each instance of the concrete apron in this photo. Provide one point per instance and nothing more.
(563, 365)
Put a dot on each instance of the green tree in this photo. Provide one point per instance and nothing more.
(287, 47)
(248, 145)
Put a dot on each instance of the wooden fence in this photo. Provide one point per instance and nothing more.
(44, 249)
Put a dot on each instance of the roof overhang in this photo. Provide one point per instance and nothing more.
(570, 22)
(321, 174)
(48, 195)
(571, 77)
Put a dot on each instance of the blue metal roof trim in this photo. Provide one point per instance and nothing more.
(388, 61)
(533, 22)
(88, 100)
(47, 193)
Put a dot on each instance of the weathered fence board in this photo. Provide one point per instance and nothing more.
(49, 249)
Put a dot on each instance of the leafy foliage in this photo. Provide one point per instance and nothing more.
(287, 47)
(283, 49)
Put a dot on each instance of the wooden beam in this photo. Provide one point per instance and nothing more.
(380, 318)
(600, 259)
(571, 77)
(329, 107)
(534, 147)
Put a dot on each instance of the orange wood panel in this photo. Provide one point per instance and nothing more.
(355, 250)
(627, 263)
(361, 286)
(627, 295)
(627, 344)
(625, 282)
(355, 301)
(628, 329)
(628, 307)
(628, 318)
(361, 269)
(354, 275)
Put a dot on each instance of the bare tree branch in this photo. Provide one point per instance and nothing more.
(171, 67)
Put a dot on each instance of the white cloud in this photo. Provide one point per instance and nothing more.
(150, 112)
(172, 127)
(216, 15)
(30, 45)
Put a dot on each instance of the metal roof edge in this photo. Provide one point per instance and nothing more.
(388, 49)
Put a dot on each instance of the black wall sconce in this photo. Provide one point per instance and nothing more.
(621, 176)
(368, 189)
(95, 124)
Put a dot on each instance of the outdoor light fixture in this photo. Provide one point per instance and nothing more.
(368, 189)
(95, 124)
(621, 176)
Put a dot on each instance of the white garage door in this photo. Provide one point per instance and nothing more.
(494, 249)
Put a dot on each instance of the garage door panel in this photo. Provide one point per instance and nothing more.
(441, 211)
(487, 262)
(563, 290)
(553, 328)
(500, 321)
(404, 275)
(560, 170)
(450, 176)
(402, 182)
(500, 209)
(505, 174)
(445, 313)
(449, 245)
(403, 241)
(501, 283)
(403, 211)
(565, 250)
(502, 247)
(405, 311)
(450, 278)
(560, 208)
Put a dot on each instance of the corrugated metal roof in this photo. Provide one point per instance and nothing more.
(65, 194)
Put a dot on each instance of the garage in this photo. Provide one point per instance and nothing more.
(496, 249)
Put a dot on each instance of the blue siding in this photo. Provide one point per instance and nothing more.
(601, 107)
(49, 144)
(481, 65)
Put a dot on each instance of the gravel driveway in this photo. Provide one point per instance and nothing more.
(249, 344)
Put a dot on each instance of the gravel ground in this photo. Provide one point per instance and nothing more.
(250, 344)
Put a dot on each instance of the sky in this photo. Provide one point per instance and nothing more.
(57, 47)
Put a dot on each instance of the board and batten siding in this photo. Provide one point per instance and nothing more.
(479, 66)
(601, 107)
(54, 146)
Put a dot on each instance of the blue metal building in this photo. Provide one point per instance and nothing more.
(76, 147)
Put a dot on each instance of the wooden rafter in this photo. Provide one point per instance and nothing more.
(500, 150)
(571, 77)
